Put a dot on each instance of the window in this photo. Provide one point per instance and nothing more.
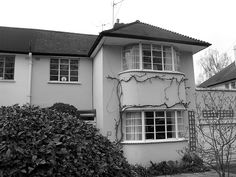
(233, 86)
(131, 57)
(64, 70)
(7, 65)
(153, 125)
(227, 85)
(152, 57)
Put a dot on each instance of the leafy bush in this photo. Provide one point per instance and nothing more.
(43, 142)
(140, 171)
(65, 108)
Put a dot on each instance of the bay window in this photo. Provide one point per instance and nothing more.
(153, 125)
(150, 57)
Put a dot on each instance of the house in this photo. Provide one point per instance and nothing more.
(225, 79)
(139, 78)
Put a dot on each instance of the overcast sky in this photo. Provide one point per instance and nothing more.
(213, 21)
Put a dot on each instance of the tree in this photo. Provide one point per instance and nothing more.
(216, 130)
(212, 62)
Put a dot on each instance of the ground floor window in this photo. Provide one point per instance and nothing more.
(153, 125)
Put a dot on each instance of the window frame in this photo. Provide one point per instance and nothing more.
(175, 58)
(59, 70)
(4, 57)
(143, 120)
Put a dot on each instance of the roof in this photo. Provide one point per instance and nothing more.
(225, 75)
(22, 40)
(139, 30)
(43, 42)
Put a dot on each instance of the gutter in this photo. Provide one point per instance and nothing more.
(29, 95)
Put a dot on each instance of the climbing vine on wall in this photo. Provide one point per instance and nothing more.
(142, 79)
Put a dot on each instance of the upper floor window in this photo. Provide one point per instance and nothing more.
(151, 57)
(64, 69)
(7, 65)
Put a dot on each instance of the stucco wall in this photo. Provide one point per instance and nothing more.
(15, 92)
(186, 66)
(46, 94)
(164, 87)
(155, 152)
(98, 88)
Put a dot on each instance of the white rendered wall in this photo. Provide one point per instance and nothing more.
(46, 94)
(15, 92)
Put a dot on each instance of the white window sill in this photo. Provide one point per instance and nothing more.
(8, 81)
(151, 71)
(60, 82)
(155, 141)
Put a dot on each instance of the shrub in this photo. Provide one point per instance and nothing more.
(140, 171)
(65, 108)
(43, 142)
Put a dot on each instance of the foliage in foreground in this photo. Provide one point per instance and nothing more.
(43, 142)
(189, 163)
(65, 108)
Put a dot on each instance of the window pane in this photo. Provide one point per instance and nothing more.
(64, 61)
(156, 47)
(54, 66)
(9, 76)
(64, 67)
(54, 61)
(157, 66)
(147, 66)
(133, 126)
(9, 70)
(171, 134)
(64, 78)
(160, 114)
(53, 72)
(74, 73)
(73, 79)
(160, 135)
(131, 57)
(64, 72)
(149, 136)
(53, 78)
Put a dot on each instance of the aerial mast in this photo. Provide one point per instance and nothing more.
(113, 10)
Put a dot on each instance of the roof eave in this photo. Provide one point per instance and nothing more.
(107, 34)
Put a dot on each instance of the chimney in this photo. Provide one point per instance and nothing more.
(118, 24)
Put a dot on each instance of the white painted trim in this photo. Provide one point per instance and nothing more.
(156, 141)
(61, 82)
(151, 71)
(29, 78)
(8, 81)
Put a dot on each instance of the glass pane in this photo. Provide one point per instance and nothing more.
(156, 47)
(74, 62)
(147, 66)
(130, 122)
(74, 73)
(149, 121)
(149, 136)
(53, 72)
(160, 135)
(160, 114)
(160, 121)
(133, 136)
(9, 64)
(9, 70)
(54, 66)
(157, 66)
(9, 76)
(181, 134)
(64, 61)
(149, 129)
(1, 70)
(160, 128)
(53, 78)
(136, 129)
(74, 67)
(157, 54)
(171, 134)
(171, 127)
(170, 114)
(64, 67)
(149, 114)
(73, 79)
(54, 61)
(64, 78)
(166, 49)
(1, 64)
(147, 60)
(64, 72)
(146, 53)
(157, 60)
(146, 47)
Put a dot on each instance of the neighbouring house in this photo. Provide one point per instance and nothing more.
(139, 78)
(225, 79)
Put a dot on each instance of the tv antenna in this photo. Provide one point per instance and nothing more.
(113, 9)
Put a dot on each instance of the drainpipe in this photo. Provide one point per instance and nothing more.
(29, 78)
(234, 54)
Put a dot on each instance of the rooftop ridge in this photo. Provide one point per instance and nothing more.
(173, 32)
